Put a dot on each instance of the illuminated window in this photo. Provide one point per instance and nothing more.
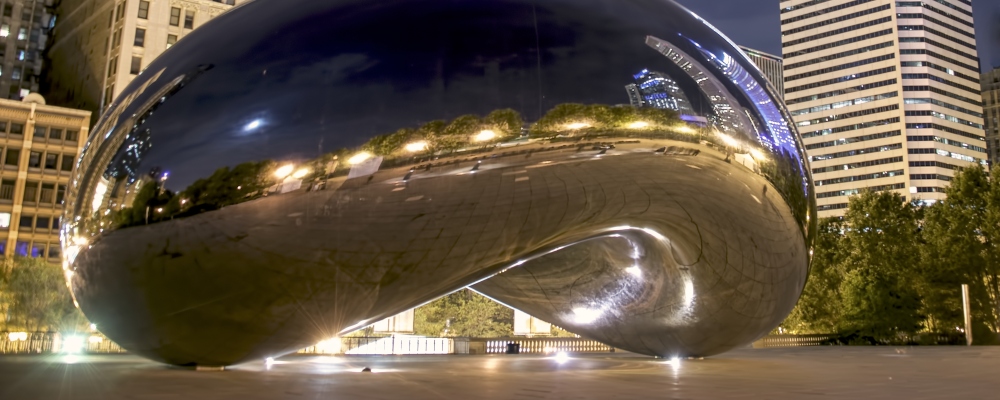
(16, 73)
(136, 65)
(21, 249)
(38, 250)
(4, 30)
(4, 220)
(175, 16)
(143, 9)
(22, 33)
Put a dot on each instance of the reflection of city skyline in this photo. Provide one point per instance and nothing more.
(656, 89)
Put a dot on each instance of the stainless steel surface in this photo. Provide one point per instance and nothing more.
(214, 219)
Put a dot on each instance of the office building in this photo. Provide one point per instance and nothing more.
(657, 90)
(770, 65)
(40, 145)
(991, 109)
(99, 46)
(885, 94)
(24, 27)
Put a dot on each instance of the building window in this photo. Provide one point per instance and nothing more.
(136, 65)
(171, 39)
(121, 11)
(112, 66)
(4, 30)
(8, 10)
(54, 250)
(108, 96)
(55, 223)
(48, 193)
(40, 131)
(4, 220)
(30, 191)
(55, 133)
(35, 159)
(22, 33)
(117, 40)
(12, 157)
(38, 250)
(16, 73)
(17, 129)
(143, 10)
(140, 37)
(21, 249)
(189, 19)
(51, 161)
(72, 135)
(67, 162)
(26, 223)
(7, 189)
(42, 223)
(60, 194)
(175, 16)
(20, 55)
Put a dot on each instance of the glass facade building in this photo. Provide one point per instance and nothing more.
(991, 109)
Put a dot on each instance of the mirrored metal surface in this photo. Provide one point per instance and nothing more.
(297, 169)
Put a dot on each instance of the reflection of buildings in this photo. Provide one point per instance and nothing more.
(728, 115)
(768, 64)
(657, 90)
(40, 145)
(991, 101)
(886, 95)
(94, 58)
(24, 33)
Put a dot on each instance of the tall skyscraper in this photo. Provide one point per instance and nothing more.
(23, 31)
(99, 46)
(885, 94)
(657, 90)
(40, 144)
(991, 108)
(770, 65)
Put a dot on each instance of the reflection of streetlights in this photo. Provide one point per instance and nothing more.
(577, 125)
(284, 171)
(416, 147)
(302, 172)
(360, 158)
(484, 136)
(638, 125)
(685, 129)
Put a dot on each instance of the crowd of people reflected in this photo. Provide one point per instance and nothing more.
(619, 169)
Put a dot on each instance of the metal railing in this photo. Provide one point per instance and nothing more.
(774, 341)
(544, 345)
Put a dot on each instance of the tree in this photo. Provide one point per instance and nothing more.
(464, 314)
(505, 122)
(878, 293)
(962, 237)
(818, 308)
(36, 296)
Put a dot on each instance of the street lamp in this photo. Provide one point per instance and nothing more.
(416, 147)
(484, 136)
(360, 158)
(284, 171)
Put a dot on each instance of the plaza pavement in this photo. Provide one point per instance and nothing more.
(796, 373)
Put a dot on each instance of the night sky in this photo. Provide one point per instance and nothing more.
(755, 24)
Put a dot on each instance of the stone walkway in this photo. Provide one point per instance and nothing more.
(799, 373)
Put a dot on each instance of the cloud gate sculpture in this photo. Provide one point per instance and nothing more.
(297, 169)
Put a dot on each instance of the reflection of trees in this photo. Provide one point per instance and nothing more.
(572, 118)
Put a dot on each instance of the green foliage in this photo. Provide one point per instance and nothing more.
(819, 307)
(464, 314)
(36, 298)
(962, 235)
(507, 123)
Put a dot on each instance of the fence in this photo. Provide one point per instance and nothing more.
(772, 341)
(393, 345)
(540, 345)
(47, 343)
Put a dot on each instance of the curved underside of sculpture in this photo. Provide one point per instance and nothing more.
(617, 168)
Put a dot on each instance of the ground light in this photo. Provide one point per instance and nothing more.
(562, 357)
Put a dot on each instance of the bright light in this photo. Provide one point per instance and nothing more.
(360, 158)
(577, 125)
(269, 360)
(485, 136)
(583, 315)
(159, 209)
(252, 125)
(93, 327)
(284, 171)
(684, 129)
(416, 147)
(17, 336)
(96, 339)
(562, 357)
(73, 344)
(635, 271)
(758, 155)
(638, 125)
(729, 140)
(302, 172)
